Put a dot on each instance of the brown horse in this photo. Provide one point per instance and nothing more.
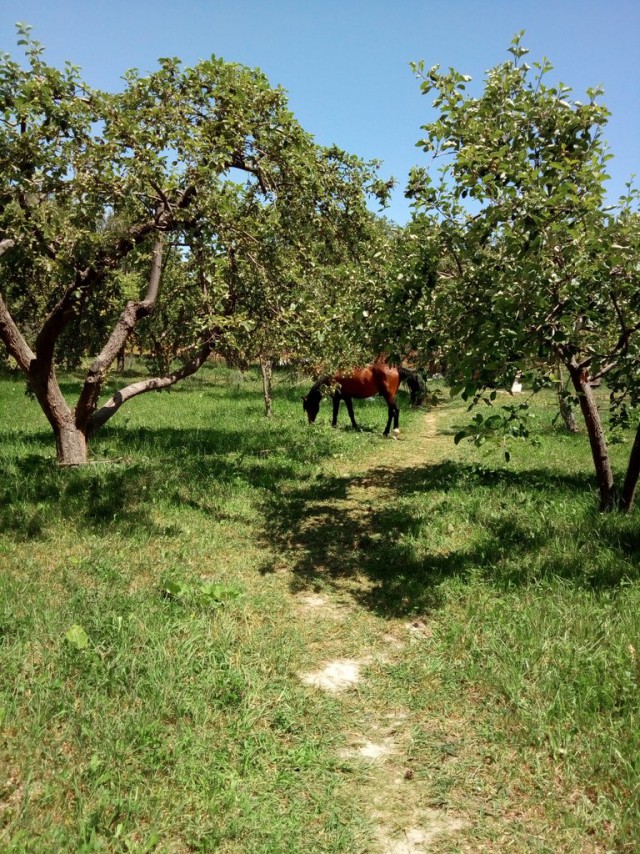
(378, 378)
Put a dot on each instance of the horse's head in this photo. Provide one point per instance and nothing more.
(311, 405)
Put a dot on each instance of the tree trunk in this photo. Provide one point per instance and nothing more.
(120, 360)
(631, 480)
(71, 441)
(567, 413)
(599, 449)
(566, 409)
(265, 367)
(71, 445)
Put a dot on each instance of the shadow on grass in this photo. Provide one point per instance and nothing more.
(86, 498)
(134, 467)
(517, 534)
(510, 527)
(195, 468)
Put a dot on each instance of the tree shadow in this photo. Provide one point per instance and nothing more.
(199, 468)
(108, 498)
(398, 548)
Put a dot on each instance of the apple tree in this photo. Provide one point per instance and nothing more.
(189, 206)
(531, 268)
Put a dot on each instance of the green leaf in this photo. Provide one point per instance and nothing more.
(493, 422)
(76, 636)
(174, 589)
(215, 594)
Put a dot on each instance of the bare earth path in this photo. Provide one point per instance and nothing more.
(397, 802)
(432, 761)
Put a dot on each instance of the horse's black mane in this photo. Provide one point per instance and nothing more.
(416, 385)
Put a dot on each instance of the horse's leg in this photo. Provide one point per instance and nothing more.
(336, 406)
(349, 404)
(394, 415)
(390, 416)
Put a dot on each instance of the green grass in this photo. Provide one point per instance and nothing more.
(178, 721)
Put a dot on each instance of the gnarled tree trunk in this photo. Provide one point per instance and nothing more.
(71, 445)
(599, 449)
(71, 440)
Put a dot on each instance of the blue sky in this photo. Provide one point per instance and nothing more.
(345, 64)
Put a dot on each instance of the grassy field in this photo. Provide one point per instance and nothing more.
(236, 634)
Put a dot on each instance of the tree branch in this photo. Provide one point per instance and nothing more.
(13, 338)
(163, 221)
(61, 314)
(239, 161)
(107, 259)
(102, 415)
(132, 313)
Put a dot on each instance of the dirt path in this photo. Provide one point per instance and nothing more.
(395, 802)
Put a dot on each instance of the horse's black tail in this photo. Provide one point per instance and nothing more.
(416, 385)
